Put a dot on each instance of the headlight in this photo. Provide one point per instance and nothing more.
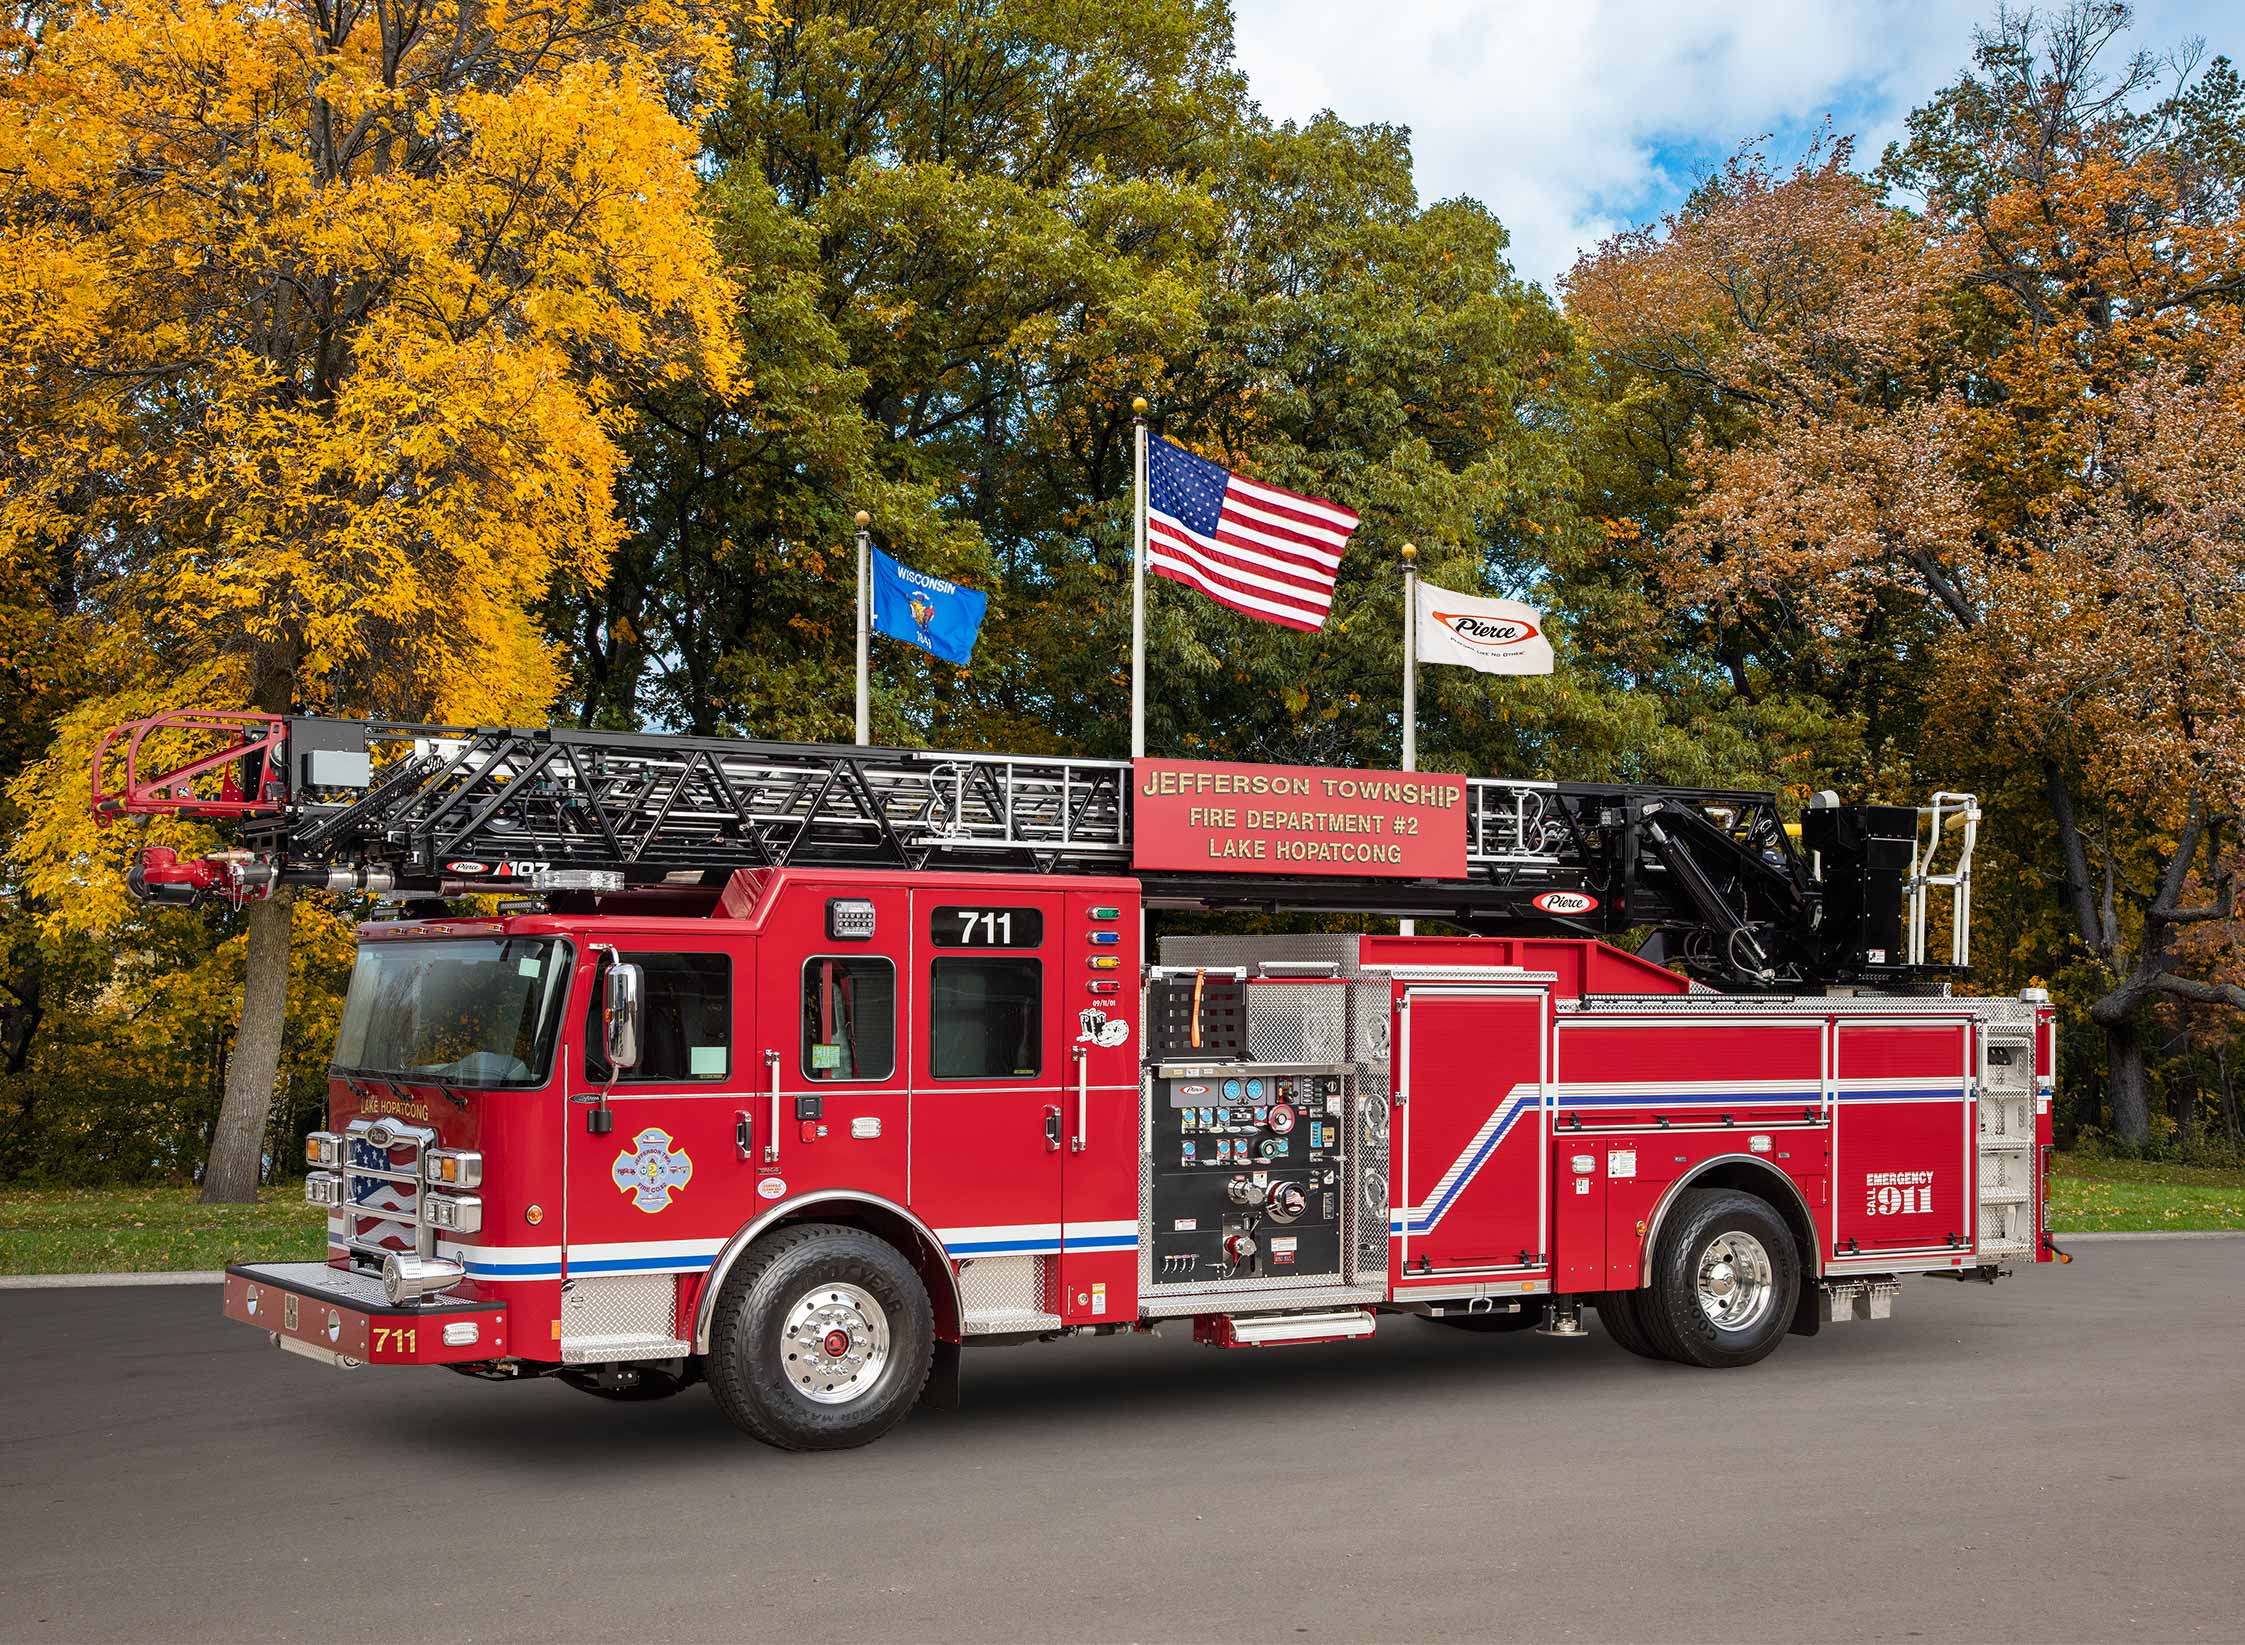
(452, 1168)
(323, 1148)
(324, 1188)
(455, 1213)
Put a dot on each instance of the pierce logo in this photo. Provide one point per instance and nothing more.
(467, 868)
(1565, 902)
(1487, 633)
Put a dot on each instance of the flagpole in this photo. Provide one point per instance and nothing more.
(1410, 928)
(864, 628)
(1138, 584)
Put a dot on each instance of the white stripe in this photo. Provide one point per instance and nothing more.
(1252, 603)
(636, 1248)
(992, 1232)
(1249, 522)
(1090, 1230)
(1305, 565)
(1209, 556)
(1342, 517)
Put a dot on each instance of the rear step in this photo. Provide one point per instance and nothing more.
(1280, 1330)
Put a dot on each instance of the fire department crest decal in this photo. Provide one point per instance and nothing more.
(651, 1169)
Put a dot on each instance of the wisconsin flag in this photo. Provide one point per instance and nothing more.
(939, 617)
(1495, 636)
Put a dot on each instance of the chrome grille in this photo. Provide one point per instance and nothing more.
(382, 1194)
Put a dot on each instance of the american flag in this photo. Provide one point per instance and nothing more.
(1270, 553)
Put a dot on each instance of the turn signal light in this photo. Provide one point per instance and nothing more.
(452, 1168)
(323, 1188)
(323, 1148)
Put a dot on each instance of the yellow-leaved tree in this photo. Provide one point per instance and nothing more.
(318, 322)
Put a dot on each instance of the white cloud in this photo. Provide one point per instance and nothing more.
(1570, 118)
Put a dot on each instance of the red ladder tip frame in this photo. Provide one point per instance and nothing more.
(145, 787)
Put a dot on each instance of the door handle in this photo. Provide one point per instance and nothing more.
(744, 1133)
(1083, 1101)
(772, 1136)
(1052, 1129)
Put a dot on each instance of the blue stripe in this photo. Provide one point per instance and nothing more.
(1434, 1215)
(992, 1247)
(625, 1265)
(1101, 1242)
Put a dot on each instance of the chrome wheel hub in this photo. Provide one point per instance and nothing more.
(1735, 1281)
(835, 1343)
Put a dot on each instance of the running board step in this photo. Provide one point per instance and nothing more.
(1280, 1330)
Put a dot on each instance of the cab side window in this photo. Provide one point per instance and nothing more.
(689, 1021)
(849, 1018)
(985, 1018)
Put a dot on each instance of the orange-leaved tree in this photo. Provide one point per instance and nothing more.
(318, 323)
(1980, 448)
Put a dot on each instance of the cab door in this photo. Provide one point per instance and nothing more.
(832, 1109)
(993, 1081)
(1096, 1000)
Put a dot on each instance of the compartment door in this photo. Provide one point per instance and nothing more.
(1902, 1166)
(1471, 1121)
(1100, 1167)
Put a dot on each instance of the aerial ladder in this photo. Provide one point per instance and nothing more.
(1710, 880)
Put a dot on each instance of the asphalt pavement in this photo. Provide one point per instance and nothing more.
(2059, 1458)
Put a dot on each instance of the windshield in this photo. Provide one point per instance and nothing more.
(466, 1010)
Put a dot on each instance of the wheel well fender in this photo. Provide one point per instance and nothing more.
(1749, 1174)
(882, 1218)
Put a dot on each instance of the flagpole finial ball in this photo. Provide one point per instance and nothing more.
(1409, 553)
(863, 519)
(1138, 406)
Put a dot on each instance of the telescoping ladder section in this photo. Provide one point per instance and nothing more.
(647, 807)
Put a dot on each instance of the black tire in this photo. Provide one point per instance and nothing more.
(1704, 1224)
(1493, 1323)
(1618, 1313)
(790, 1393)
(628, 1384)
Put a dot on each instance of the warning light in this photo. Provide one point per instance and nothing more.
(1098, 987)
(1106, 962)
(1106, 913)
(1104, 939)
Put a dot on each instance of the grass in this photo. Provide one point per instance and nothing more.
(151, 1230)
(2090, 1194)
(148, 1230)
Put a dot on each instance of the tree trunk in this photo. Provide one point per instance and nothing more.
(237, 1145)
(2124, 1081)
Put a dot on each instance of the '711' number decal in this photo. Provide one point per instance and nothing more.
(393, 1338)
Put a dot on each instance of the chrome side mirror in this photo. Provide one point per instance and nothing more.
(621, 1015)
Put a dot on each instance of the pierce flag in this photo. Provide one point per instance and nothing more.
(939, 617)
(1494, 636)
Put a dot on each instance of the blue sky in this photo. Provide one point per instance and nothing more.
(1572, 118)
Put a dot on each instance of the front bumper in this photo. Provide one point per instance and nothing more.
(342, 1317)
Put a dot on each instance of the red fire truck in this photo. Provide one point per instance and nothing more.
(796, 1069)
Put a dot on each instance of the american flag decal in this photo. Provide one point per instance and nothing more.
(1270, 553)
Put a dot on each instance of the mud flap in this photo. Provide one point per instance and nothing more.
(942, 1390)
(1808, 1312)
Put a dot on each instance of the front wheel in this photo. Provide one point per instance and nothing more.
(1725, 1280)
(821, 1340)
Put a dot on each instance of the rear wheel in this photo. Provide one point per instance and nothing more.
(1725, 1280)
(821, 1339)
(1618, 1313)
